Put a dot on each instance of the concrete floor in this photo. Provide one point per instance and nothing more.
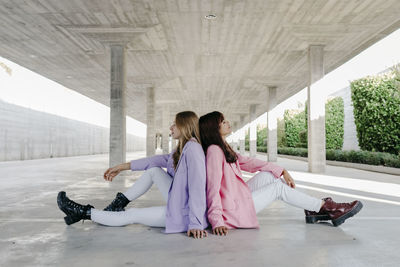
(33, 232)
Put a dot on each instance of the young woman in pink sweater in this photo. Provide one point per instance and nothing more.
(233, 203)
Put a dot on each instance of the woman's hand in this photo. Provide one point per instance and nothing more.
(197, 233)
(114, 171)
(289, 180)
(221, 230)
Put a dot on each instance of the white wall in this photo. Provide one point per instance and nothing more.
(29, 134)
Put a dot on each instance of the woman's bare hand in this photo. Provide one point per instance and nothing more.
(196, 233)
(221, 230)
(112, 172)
(288, 178)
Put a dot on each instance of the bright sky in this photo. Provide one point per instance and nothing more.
(375, 59)
(28, 89)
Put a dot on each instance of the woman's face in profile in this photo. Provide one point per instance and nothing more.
(225, 128)
(175, 133)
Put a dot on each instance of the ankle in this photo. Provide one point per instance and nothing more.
(89, 212)
(322, 204)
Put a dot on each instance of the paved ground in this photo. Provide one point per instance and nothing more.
(33, 232)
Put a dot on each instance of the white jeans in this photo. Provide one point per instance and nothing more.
(266, 188)
(153, 216)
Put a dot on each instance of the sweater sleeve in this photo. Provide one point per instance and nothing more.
(150, 162)
(196, 167)
(214, 163)
(253, 165)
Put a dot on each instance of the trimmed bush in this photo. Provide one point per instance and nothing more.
(303, 137)
(294, 151)
(334, 123)
(262, 149)
(261, 136)
(247, 138)
(281, 133)
(363, 157)
(376, 101)
(294, 123)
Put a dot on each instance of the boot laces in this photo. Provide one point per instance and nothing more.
(74, 205)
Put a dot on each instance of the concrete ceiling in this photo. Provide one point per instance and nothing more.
(195, 64)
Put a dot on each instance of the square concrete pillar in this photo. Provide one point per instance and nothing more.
(117, 106)
(316, 111)
(235, 137)
(165, 129)
(242, 136)
(151, 133)
(253, 131)
(272, 125)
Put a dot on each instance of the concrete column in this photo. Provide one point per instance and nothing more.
(272, 125)
(234, 137)
(158, 141)
(117, 106)
(253, 132)
(150, 134)
(242, 136)
(316, 111)
(165, 129)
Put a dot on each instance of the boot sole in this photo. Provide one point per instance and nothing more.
(316, 218)
(70, 220)
(343, 218)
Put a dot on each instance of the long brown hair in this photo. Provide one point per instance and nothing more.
(188, 124)
(210, 135)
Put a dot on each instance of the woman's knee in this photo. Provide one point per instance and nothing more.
(157, 173)
(154, 170)
(267, 174)
(268, 177)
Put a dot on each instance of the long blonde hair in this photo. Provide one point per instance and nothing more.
(188, 124)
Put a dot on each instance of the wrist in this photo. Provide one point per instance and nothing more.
(124, 166)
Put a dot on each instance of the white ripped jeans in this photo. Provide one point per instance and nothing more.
(152, 216)
(266, 188)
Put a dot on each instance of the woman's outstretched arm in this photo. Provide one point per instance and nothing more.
(253, 165)
(150, 162)
(137, 165)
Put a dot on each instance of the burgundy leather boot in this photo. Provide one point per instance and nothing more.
(314, 217)
(338, 212)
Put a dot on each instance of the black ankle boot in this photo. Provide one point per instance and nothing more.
(74, 211)
(118, 204)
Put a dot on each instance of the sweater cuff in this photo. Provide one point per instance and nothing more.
(216, 221)
(276, 170)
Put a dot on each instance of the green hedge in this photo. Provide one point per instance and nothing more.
(295, 122)
(261, 136)
(334, 123)
(281, 133)
(296, 125)
(247, 138)
(363, 157)
(376, 101)
(294, 151)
